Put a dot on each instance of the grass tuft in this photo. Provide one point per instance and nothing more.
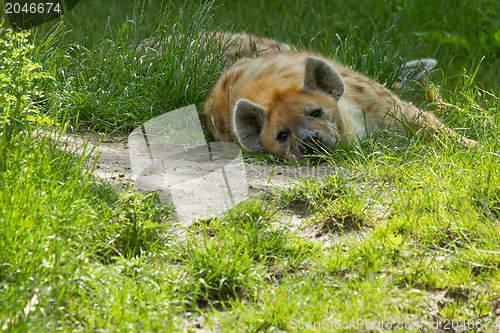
(136, 226)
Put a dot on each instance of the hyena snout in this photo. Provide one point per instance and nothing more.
(310, 142)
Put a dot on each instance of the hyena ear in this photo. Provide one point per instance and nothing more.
(248, 122)
(320, 75)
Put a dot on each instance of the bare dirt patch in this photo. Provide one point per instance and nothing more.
(112, 163)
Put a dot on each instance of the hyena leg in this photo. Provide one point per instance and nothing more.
(431, 126)
(414, 77)
(417, 72)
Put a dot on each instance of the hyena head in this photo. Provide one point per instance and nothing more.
(301, 120)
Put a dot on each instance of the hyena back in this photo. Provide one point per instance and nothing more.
(239, 44)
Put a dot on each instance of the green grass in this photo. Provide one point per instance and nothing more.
(402, 229)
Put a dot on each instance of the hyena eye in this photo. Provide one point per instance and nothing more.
(282, 136)
(316, 113)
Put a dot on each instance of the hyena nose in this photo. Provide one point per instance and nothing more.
(309, 143)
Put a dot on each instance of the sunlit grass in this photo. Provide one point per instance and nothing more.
(409, 228)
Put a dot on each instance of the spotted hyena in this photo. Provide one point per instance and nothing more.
(296, 103)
